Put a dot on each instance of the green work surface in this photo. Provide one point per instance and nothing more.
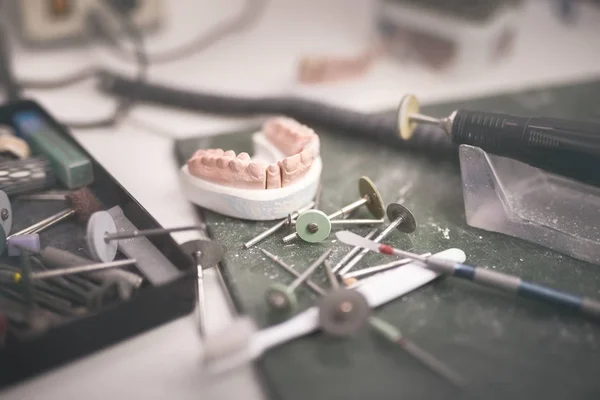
(507, 348)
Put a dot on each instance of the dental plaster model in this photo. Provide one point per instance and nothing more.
(282, 176)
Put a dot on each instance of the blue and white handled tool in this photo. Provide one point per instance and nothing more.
(482, 276)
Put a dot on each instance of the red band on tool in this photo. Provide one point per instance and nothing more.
(385, 249)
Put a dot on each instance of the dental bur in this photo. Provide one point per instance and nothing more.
(82, 204)
(313, 286)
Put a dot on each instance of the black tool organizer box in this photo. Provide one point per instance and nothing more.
(149, 306)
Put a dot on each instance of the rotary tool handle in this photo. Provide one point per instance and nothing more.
(507, 135)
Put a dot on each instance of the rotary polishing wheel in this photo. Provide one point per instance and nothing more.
(5, 213)
(343, 312)
(395, 211)
(211, 252)
(313, 226)
(279, 297)
(375, 205)
(100, 224)
(408, 105)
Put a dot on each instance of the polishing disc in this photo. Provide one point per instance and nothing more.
(100, 224)
(343, 312)
(375, 205)
(408, 105)
(5, 213)
(309, 217)
(395, 211)
(211, 252)
(280, 298)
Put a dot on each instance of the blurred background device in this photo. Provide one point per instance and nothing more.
(55, 23)
(460, 35)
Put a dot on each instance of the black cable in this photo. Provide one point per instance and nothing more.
(250, 13)
(126, 103)
(376, 126)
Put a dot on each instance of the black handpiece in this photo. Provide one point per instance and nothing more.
(512, 136)
(563, 147)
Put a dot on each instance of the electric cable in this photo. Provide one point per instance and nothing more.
(125, 104)
(250, 13)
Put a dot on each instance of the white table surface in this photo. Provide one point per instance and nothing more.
(164, 363)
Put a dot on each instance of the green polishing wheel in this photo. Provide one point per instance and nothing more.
(279, 297)
(313, 226)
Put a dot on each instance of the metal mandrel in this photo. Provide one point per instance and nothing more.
(82, 204)
(278, 226)
(282, 297)
(369, 196)
(401, 218)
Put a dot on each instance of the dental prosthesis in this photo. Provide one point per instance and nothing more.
(282, 176)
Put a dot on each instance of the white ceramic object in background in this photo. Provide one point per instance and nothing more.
(252, 204)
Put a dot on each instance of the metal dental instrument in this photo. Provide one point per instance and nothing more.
(278, 226)
(151, 232)
(342, 312)
(369, 196)
(549, 143)
(282, 297)
(206, 254)
(75, 270)
(102, 235)
(331, 276)
(391, 333)
(344, 222)
(313, 286)
(82, 204)
(485, 277)
(348, 256)
(53, 195)
(378, 268)
(400, 218)
(314, 226)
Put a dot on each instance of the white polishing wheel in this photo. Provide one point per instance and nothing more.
(99, 225)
